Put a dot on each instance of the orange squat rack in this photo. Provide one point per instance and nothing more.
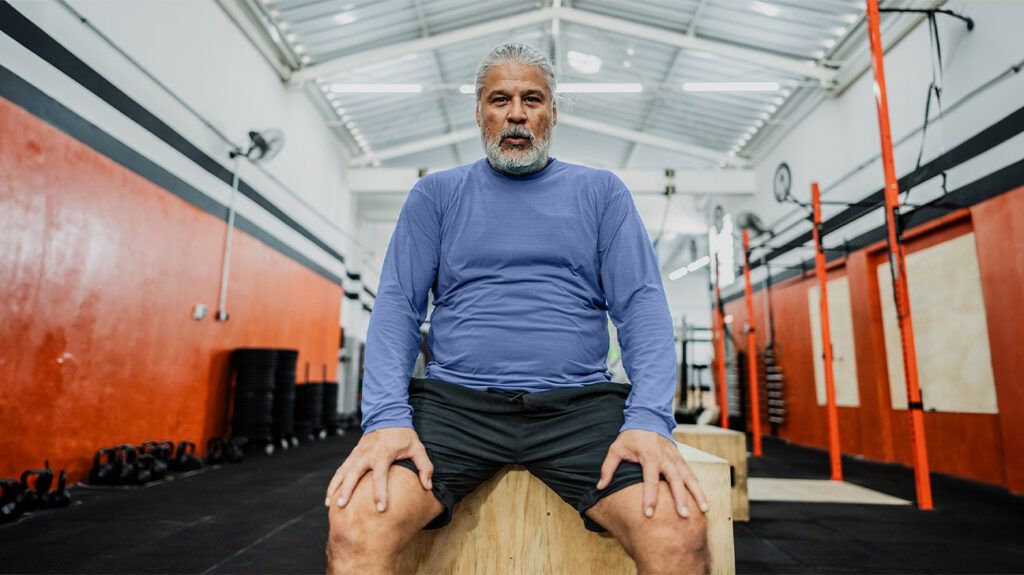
(834, 452)
(718, 325)
(755, 401)
(897, 266)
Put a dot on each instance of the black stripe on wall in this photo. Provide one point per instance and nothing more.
(985, 188)
(49, 110)
(983, 141)
(26, 33)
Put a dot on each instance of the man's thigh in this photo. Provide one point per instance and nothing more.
(410, 507)
(466, 434)
(622, 514)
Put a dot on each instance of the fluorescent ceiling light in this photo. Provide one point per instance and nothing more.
(467, 89)
(376, 88)
(730, 86)
(584, 63)
(697, 264)
(678, 273)
(765, 8)
(345, 18)
(595, 88)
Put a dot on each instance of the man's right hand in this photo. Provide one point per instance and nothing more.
(376, 452)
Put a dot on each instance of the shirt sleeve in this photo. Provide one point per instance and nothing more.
(639, 309)
(393, 334)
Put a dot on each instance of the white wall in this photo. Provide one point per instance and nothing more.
(197, 51)
(843, 132)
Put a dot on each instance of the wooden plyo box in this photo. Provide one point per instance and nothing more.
(730, 445)
(515, 524)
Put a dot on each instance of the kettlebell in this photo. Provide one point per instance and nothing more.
(126, 469)
(61, 497)
(11, 498)
(102, 472)
(233, 449)
(158, 467)
(35, 491)
(186, 459)
(144, 465)
(215, 451)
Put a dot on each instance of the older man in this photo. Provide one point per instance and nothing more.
(525, 256)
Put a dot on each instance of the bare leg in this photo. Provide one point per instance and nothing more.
(665, 543)
(365, 541)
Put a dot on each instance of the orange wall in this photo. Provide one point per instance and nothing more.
(984, 447)
(99, 272)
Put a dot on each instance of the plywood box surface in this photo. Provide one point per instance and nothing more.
(730, 445)
(515, 524)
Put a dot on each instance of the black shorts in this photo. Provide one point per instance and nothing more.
(561, 436)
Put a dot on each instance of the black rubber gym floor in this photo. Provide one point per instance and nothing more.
(266, 515)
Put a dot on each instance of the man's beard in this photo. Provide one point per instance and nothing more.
(528, 158)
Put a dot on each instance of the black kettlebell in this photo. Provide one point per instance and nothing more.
(186, 459)
(234, 449)
(165, 453)
(12, 494)
(215, 451)
(144, 469)
(35, 492)
(61, 497)
(126, 468)
(158, 467)
(102, 472)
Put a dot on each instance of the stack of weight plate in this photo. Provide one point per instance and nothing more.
(284, 396)
(255, 374)
(330, 405)
(309, 410)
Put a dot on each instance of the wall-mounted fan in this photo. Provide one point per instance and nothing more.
(782, 182)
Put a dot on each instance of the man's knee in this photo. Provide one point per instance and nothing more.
(682, 535)
(358, 527)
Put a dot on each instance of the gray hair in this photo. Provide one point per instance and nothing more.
(516, 53)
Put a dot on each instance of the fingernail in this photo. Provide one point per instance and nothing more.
(704, 506)
(430, 484)
(684, 511)
(341, 501)
(649, 512)
(327, 502)
(380, 507)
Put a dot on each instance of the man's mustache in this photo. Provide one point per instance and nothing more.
(516, 132)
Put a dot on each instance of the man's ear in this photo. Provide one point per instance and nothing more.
(554, 115)
(478, 122)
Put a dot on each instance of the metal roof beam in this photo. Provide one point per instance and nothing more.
(417, 146)
(421, 45)
(650, 140)
(805, 68)
(564, 119)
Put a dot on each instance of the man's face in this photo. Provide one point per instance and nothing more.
(516, 113)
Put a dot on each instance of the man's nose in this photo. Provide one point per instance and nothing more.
(517, 112)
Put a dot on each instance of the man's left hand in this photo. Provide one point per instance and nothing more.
(658, 456)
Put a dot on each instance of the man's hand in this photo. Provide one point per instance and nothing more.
(658, 456)
(376, 452)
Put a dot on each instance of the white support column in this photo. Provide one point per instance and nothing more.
(375, 181)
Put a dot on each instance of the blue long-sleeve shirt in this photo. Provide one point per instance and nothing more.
(523, 272)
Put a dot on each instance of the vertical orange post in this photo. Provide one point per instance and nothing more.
(898, 268)
(719, 324)
(834, 451)
(755, 400)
